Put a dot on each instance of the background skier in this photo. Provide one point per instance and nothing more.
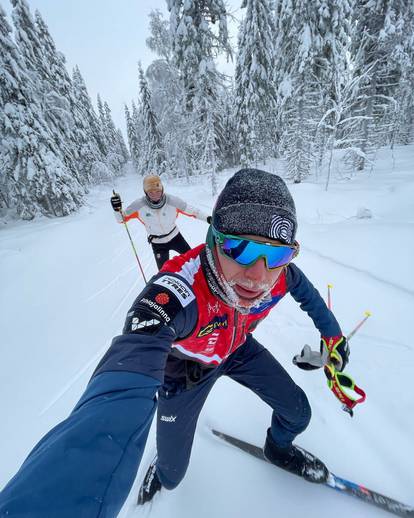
(158, 212)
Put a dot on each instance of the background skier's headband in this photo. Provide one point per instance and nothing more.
(247, 251)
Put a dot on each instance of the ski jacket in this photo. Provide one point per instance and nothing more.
(160, 221)
(178, 314)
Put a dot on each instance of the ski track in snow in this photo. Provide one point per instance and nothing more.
(121, 305)
(110, 283)
(20, 235)
(114, 257)
(93, 361)
(360, 271)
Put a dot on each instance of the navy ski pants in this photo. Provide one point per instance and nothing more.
(179, 404)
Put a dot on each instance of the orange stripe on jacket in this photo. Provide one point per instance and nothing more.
(132, 216)
(179, 211)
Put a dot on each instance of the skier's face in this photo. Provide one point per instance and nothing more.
(252, 282)
(154, 195)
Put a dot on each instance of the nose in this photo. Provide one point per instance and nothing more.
(257, 272)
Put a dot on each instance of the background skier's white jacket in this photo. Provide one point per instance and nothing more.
(160, 221)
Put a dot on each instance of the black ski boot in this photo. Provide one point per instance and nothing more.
(150, 485)
(296, 460)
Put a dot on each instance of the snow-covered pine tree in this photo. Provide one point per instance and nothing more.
(254, 87)
(153, 158)
(193, 37)
(376, 52)
(159, 40)
(53, 85)
(114, 149)
(93, 148)
(122, 147)
(102, 124)
(138, 123)
(295, 82)
(133, 142)
(166, 95)
(400, 21)
(311, 59)
(117, 154)
(34, 177)
(230, 155)
(209, 156)
(57, 99)
(199, 34)
(333, 33)
(72, 111)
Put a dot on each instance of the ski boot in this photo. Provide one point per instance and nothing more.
(150, 485)
(296, 460)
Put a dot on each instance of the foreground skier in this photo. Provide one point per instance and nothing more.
(191, 324)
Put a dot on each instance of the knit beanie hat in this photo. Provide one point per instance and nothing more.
(152, 183)
(256, 202)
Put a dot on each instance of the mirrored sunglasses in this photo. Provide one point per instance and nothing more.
(247, 251)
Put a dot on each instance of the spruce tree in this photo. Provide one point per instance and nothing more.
(153, 159)
(132, 138)
(92, 140)
(199, 34)
(36, 179)
(381, 51)
(254, 86)
(311, 43)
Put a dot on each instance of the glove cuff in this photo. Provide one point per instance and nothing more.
(331, 342)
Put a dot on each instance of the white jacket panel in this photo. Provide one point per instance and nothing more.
(159, 222)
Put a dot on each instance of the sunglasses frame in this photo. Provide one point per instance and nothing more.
(220, 236)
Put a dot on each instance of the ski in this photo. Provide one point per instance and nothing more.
(334, 482)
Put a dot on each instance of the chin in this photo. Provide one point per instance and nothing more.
(250, 302)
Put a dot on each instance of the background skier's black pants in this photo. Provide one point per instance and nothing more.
(162, 250)
(180, 403)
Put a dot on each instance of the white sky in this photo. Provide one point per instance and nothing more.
(105, 39)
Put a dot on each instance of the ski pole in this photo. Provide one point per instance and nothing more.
(351, 334)
(132, 243)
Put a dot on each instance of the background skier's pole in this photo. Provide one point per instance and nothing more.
(132, 243)
(133, 247)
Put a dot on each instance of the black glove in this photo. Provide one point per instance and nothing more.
(116, 202)
(337, 349)
(209, 218)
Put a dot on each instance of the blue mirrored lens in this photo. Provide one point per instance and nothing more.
(247, 252)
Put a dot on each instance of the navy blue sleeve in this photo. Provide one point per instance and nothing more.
(310, 300)
(86, 465)
(164, 311)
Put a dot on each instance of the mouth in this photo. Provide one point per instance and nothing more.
(246, 293)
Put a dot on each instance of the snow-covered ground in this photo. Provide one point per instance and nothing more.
(66, 285)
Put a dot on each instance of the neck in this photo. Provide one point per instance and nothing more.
(156, 204)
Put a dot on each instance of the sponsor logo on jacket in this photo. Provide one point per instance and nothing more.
(219, 322)
(137, 324)
(168, 419)
(157, 308)
(178, 287)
